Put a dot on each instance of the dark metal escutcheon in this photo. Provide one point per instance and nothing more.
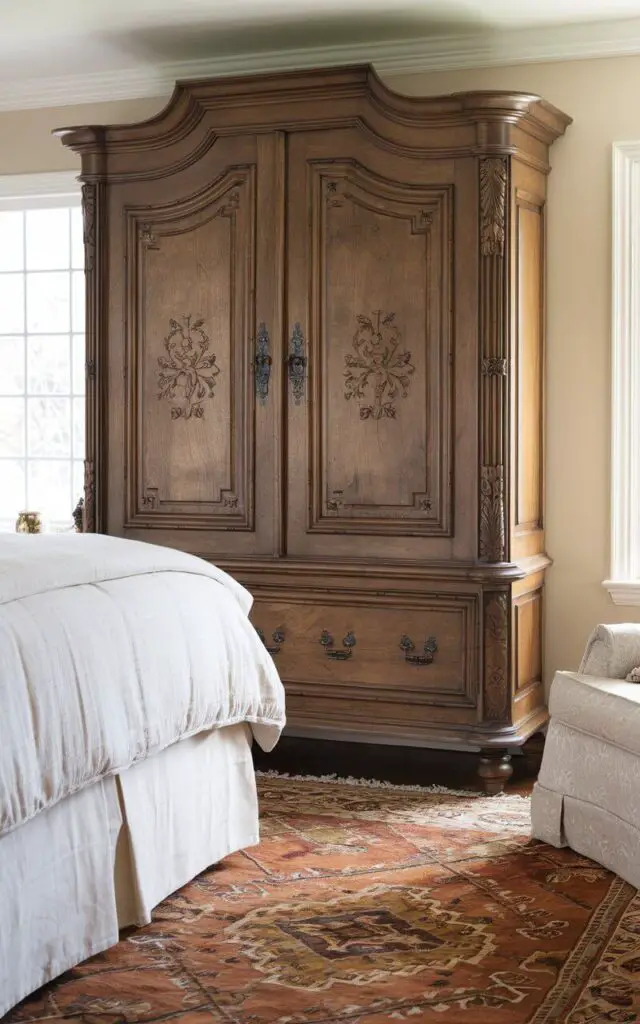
(297, 363)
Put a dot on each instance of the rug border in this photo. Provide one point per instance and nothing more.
(350, 780)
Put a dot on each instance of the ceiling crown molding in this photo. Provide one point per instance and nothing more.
(394, 57)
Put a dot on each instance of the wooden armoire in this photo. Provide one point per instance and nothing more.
(315, 356)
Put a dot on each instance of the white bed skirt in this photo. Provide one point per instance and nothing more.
(102, 859)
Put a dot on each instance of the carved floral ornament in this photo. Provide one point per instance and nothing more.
(187, 374)
(493, 196)
(89, 509)
(494, 366)
(151, 501)
(492, 529)
(380, 362)
(89, 224)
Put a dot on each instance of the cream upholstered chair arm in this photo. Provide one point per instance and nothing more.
(612, 651)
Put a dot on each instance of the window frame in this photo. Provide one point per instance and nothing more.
(624, 581)
(37, 191)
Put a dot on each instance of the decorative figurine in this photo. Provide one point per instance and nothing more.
(29, 522)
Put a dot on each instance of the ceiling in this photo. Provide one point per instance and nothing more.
(122, 47)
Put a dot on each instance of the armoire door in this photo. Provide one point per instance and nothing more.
(194, 351)
(373, 255)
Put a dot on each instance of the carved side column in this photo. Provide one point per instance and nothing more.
(494, 173)
(494, 766)
(496, 656)
(93, 207)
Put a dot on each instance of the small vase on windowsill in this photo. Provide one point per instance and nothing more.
(29, 522)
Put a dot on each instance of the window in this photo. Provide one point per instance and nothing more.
(41, 348)
(624, 584)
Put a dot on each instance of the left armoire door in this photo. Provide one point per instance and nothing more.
(193, 351)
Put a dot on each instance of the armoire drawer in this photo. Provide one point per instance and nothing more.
(401, 651)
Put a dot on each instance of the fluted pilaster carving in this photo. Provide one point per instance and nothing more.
(494, 172)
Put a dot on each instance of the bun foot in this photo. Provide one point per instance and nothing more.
(494, 770)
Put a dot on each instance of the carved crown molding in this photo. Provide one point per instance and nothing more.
(394, 57)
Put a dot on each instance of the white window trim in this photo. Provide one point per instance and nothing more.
(624, 585)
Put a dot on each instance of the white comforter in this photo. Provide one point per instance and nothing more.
(111, 650)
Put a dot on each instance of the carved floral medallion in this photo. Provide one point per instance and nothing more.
(187, 374)
(380, 365)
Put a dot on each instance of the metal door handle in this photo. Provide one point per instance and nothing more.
(297, 363)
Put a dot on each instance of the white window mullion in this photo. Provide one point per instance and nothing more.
(26, 363)
(633, 388)
(624, 582)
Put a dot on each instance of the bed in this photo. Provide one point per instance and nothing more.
(132, 685)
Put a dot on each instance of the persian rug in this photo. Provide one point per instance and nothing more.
(368, 903)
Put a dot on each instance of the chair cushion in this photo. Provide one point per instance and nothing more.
(606, 708)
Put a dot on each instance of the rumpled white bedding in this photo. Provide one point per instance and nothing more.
(111, 650)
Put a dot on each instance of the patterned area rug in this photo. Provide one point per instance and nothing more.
(367, 904)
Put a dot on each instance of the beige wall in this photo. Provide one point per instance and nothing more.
(26, 142)
(601, 96)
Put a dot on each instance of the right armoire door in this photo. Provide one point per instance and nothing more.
(380, 377)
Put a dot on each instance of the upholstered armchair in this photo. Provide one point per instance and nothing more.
(588, 792)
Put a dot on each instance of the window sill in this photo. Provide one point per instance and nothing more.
(624, 592)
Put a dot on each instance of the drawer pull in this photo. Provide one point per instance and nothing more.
(430, 648)
(340, 653)
(278, 638)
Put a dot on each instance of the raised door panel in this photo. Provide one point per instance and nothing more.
(528, 641)
(370, 286)
(199, 411)
(528, 683)
(189, 382)
(529, 366)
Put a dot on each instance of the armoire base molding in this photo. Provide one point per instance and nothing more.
(393, 763)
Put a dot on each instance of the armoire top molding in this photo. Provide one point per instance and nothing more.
(479, 121)
(590, 40)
